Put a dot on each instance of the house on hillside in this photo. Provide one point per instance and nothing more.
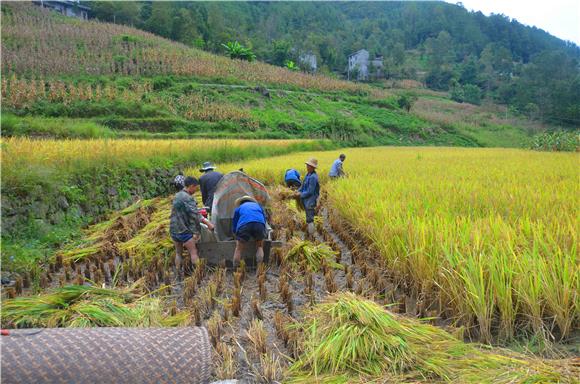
(361, 68)
(71, 8)
(308, 62)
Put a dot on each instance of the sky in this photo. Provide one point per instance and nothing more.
(560, 18)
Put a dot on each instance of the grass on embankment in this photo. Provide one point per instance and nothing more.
(173, 106)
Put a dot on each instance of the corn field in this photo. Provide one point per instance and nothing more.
(35, 43)
(21, 93)
(488, 235)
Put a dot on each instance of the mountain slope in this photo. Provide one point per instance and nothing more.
(117, 81)
(440, 44)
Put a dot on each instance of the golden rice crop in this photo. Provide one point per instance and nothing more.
(24, 159)
(493, 231)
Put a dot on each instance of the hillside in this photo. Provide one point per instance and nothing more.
(443, 45)
(67, 78)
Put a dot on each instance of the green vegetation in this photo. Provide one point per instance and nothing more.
(557, 141)
(439, 43)
(237, 51)
(142, 86)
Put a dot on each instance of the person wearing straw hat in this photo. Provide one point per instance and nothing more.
(208, 183)
(309, 193)
(249, 223)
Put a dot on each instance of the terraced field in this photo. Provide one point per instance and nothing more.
(462, 237)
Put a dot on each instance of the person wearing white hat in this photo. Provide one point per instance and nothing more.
(249, 223)
(309, 193)
(208, 183)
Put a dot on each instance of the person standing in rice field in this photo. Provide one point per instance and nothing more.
(336, 170)
(208, 183)
(185, 222)
(309, 193)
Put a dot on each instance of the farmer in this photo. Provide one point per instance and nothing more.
(292, 179)
(178, 181)
(336, 170)
(208, 183)
(249, 223)
(184, 222)
(309, 192)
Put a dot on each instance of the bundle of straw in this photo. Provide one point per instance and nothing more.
(310, 256)
(350, 339)
(88, 306)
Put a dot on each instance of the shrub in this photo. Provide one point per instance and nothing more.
(557, 141)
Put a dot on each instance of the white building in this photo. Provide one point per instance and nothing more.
(67, 8)
(361, 68)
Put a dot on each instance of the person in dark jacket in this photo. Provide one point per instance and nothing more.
(309, 193)
(184, 222)
(208, 183)
(292, 179)
(249, 223)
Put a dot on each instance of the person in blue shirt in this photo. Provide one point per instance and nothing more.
(292, 179)
(336, 170)
(309, 193)
(249, 223)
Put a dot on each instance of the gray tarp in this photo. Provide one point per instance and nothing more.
(232, 186)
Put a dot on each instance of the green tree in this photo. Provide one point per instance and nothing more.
(281, 52)
(237, 51)
(160, 21)
(406, 101)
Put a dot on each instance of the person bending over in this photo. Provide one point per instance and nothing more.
(292, 179)
(249, 223)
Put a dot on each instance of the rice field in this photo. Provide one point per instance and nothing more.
(480, 243)
(487, 237)
(23, 159)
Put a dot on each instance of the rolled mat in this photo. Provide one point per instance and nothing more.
(106, 355)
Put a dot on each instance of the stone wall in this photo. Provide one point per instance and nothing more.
(86, 199)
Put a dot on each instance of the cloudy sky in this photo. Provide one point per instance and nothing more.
(560, 18)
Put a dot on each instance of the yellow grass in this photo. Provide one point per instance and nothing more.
(494, 232)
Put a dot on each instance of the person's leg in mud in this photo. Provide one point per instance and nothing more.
(191, 246)
(238, 253)
(310, 212)
(178, 256)
(259, 251)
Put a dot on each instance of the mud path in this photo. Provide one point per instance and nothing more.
(245, 311)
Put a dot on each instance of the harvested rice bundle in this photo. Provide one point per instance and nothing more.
(88, 306)
(349, 339)
(102, 238)
(309, 256)
(153, 239)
